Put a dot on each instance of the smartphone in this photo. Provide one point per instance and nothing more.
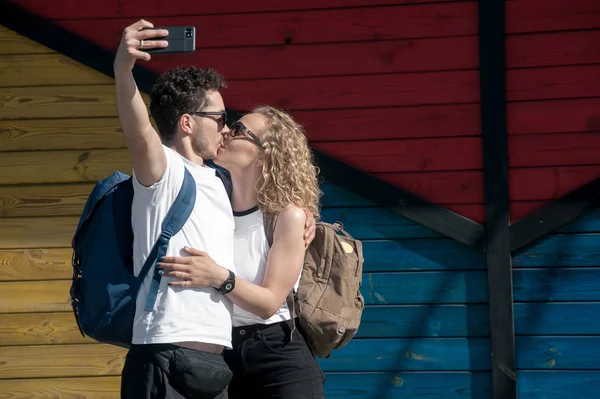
(182, 39)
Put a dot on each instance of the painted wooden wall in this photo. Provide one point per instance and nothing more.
(392, 86)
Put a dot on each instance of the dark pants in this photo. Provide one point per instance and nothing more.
(166, 371)
(266, 364)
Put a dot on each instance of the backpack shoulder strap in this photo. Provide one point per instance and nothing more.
(269, 221)
(176, 217)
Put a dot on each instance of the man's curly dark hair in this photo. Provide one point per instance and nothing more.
(179, 91)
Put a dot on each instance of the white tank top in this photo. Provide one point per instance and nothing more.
(251, 249)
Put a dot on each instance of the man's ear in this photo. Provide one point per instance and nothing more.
(186, 124)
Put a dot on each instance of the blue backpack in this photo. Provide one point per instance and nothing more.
(104, 288)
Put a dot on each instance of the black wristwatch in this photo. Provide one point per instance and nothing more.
(228, 285)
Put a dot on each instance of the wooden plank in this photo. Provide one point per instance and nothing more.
(35, 264)
(61, 134)
(539, 318)
(565, 250)
(48, 232)
(551, 183)
(424, 321)
(14, 43)
(335, 59)
(459, 385)
(356, 91)
(43, 200)
(553, 82)
(133, 9)
(558, 353)
(47, 361)
(526, 16)
(35, 296)
(57, 102)
(300, 27)
(558, 384)
(552, 49)
(557, 284)
(411, 155)
(41, 329)
(71, 388)
(554, 149)
(410, 354)
(46, 70)
(391, 123)
(62, 166)
(554, 116)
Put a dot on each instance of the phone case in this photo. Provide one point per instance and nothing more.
(182, 39)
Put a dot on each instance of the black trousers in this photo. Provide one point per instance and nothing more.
(166, 371)
(266, 364)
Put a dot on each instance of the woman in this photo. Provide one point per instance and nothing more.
(273, 176)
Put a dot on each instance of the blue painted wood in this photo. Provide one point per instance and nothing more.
(561, 250)
(460, 385)
(424, 321)
(574, 284)
(420, 254)
(462, 354)
(337, 196)
(403, 288)
(558, 384)
(412, 354)
(376, 223)
(409, 385)
(558, 353)
(425, 287)
(573, 318)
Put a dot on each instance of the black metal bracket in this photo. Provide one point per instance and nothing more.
(402, 202)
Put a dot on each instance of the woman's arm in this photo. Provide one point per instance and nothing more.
(283, 268)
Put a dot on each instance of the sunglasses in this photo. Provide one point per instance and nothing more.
(223, 116)
(238, 129)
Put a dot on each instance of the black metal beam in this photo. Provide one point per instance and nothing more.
(408, 205)
(497, 218)
(554, 215)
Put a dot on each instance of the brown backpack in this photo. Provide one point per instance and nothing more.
(328, 302)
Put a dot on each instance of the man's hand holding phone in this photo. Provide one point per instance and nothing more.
(137, 39)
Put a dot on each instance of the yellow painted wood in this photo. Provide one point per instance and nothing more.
(13, 43)
(35, 264)
(57, 102)
(40, 329)
(47, 232)
(62, 388)
(60, 134)
(62, 166)
(47, 70)
(35, 296)
(61, 361)
(44, 200)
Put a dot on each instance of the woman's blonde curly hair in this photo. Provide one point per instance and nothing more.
(289, 174)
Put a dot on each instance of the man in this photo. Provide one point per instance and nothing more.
(177, 344)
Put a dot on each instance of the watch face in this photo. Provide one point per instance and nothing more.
(228, 287)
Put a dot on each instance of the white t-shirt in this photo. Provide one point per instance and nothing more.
(251, 251)
(183, 314)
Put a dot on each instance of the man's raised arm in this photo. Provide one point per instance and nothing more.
(148, 158)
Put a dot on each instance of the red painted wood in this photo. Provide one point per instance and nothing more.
(551, 15)
(71, 9)
(558, 82)
(391, 123)
(301, 27)
(356, 91)
(551, 49)
(517, 210)
(414, 155)
(330, 59)
(554, 149)
(527, 184)
(554, 116)
(527, 117)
